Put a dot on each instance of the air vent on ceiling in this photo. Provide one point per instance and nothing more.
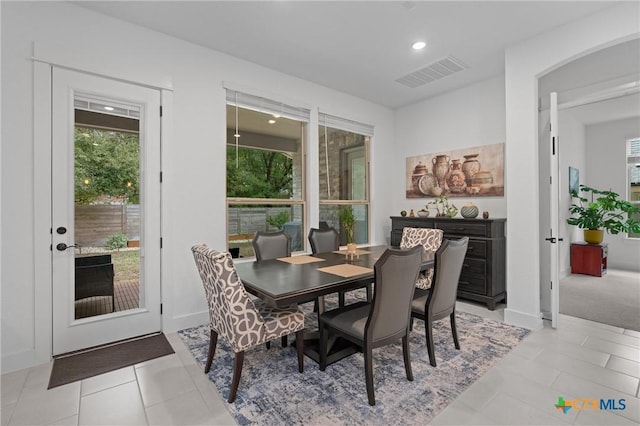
(432, 72)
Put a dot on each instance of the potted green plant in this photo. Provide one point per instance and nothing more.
(442, 206)
(600, 211)
(348, 221)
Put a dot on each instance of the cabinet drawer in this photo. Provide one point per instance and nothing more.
(475, 267)
(477, 248)
(472, 284)
(463, 228)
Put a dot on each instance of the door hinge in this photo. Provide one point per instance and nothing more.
(160, 110)
(160, 177)
(161, 309)
(551, 284)
(553, 146)
(160, 242)
(550, 180)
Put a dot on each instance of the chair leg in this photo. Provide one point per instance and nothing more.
(411, 324)
(369, 292)
(368, 373)
(323, 337)
(300, 348)
(407, 357)
(268, 345)
(428, 324)
(341, 299)
(237, 370)
(213, 341)
(453, 329)
(284, 341)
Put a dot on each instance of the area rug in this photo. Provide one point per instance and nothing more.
(271, 390)
(87, 364)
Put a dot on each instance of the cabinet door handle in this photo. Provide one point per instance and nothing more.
(458, 229)
(464, 282)
(465, 265)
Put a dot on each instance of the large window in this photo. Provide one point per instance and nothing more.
(344, 174)
(633, 176)
(265, 170)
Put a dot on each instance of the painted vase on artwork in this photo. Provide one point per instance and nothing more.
(470, 167)
(455, 178)
(418, 172)
(440, 168)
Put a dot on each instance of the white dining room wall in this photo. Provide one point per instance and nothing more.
(193, 193)
(525, 62)
(468, 117)
(606, 169)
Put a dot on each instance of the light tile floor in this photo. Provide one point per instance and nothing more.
(580, 359)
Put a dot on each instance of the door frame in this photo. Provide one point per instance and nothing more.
(43, 63)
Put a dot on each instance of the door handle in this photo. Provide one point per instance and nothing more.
(63, 246)
(552, 240)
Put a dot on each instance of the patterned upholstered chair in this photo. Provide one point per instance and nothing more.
(241, 322)
(430, 240)
(382, 322)
(440, 300)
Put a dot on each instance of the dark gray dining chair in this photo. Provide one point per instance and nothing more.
(440, 300)
(240, 322)
(272, 245)
(383, 321)
(325, 240)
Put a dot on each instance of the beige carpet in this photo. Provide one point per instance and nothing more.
(612, 299)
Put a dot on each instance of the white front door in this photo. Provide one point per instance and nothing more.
(105, 219)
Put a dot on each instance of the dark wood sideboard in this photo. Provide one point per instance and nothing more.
(483, 273)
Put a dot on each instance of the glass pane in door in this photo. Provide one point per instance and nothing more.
(107, 208)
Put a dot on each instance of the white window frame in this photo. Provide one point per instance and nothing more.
(330, 121)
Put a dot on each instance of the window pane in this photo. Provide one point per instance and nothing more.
(245, 220)
(330, 217)
(343, 165)
(264, 160)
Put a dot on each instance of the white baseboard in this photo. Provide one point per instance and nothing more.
(20, 360)
(522, 319)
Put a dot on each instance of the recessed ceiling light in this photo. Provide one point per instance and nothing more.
(276, 115)
(418, 45)
(108, 108)
(272, 121)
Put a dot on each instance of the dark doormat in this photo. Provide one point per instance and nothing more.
(74, 367)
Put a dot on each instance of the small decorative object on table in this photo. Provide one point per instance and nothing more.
(348, 220)
(423, 213)
(412, 214)
(485, 215)
(469, 211)
(403, 213)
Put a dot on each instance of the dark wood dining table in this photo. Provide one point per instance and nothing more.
(281, 283)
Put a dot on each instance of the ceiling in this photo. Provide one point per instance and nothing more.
(357, 47)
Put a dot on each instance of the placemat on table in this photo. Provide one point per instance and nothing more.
(346, 270)
(299, 260)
